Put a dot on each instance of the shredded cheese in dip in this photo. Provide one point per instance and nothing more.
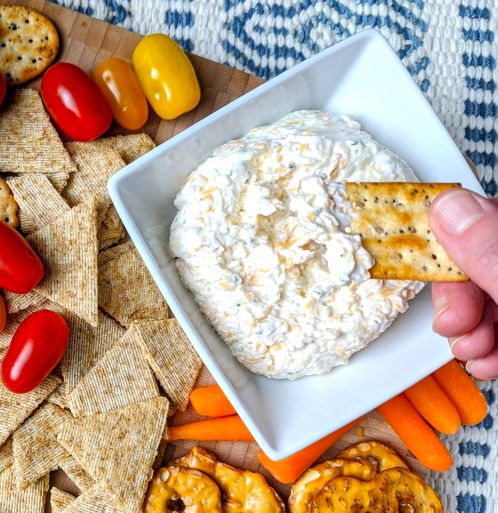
(261, 241)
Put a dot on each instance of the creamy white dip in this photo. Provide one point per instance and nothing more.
(261, 241)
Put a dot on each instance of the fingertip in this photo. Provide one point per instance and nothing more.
(458, 308)
(485, 368)
(477, 343)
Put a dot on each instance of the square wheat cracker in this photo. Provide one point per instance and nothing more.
(110, 254)
(16, 408)
(16, 303)
(68, 249)
(36, 450)
(30, 143)
(59, 499)
(393, 221)
(129, 147)
(94, 171)
(74, 471)
(120, 378)
(59, 397)
(95, 500)
(118, 448)
(38, 200)
(6, 455)
(170, 355)
(30, 500)
(87, 345)
(127, 290)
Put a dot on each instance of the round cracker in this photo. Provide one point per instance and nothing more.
(28, 43)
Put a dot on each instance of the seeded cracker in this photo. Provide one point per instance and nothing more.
(94, 170)
(28, 43)
(128, 292)
(30, 143)
(8, 205)
(30, 500)
(393, 221)
(129, 147)
(15, 408)
(59, 500)
(118, 448)
(171, 357)
(36, 450)
(121, 377)
(68, 249)
(87, 345)
(75, 471)
(38, 200)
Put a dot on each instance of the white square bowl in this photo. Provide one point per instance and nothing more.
(361, 76)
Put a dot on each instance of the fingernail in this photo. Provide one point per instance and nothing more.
(440, 305)
(468, 366)
(457, 210)
(454, 343)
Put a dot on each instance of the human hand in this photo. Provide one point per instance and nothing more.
(466, 225)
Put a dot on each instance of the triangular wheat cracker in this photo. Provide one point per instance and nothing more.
(68, 248)
(118, 448)
(121, 377)
(36, 450)
(14, 320)
(59, 500)
(39, 202)
(94, 170)
(129, 147)
(30, 143)
(128, 292)
(76, 473)
(170, 355)
(30, 500)
(87, 345)
(16, 408)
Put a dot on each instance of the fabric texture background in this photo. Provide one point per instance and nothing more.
(449, 46)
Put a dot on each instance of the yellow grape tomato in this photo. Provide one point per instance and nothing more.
(166, 75)
(119, 84)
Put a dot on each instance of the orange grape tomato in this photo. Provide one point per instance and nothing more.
(119, 84)
(3, 314)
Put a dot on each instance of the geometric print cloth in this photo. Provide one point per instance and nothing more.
(451, 49)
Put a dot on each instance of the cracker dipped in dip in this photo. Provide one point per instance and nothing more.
(261, 239)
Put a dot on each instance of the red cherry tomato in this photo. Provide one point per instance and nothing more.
(3, 88)
(20, 267)
(3, 314)
(75, 102)
(36, 348)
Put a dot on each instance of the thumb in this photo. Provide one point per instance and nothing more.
(466, 225)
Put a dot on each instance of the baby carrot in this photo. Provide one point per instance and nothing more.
(211, 402)
(460, 388)
(434, 405)
(416, 433)
(290, 468)
(230, 429)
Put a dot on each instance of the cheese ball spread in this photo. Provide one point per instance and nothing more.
(261, 239)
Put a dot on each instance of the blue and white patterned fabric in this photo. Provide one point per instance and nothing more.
(451, 49)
